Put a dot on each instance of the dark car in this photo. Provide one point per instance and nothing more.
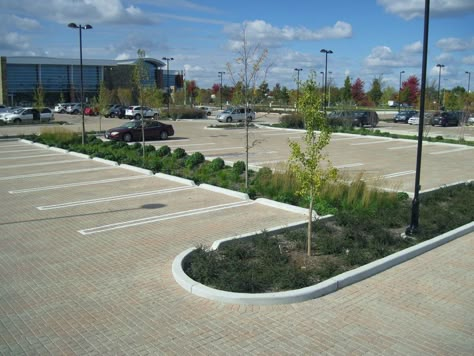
(403, 116)
(115, 110)
(132, 131)
(358, 118)
(446, 118)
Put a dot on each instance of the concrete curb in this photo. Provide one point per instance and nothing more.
(318, 290)
(137, 169)
(284, 206)
(81, 155)
(175, 179)
(57, 149)
(225, 191)
(105, 161)
(26, 141)
(42, 145)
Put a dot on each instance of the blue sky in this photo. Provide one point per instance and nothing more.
(369, 38)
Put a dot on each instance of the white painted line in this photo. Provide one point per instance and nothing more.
(349, 165)
(55, 173)
(193, 144)
(403, 147)
(268, 162)
(371, 143)
(112, 198)
(28, 150)
(41, 164)
(164, 217)
(346, 138)
(78, 184)
(398, 174)
(287, 133)
(450, 151)
(34, 156)
(218, 149)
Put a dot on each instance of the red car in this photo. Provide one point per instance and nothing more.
(89, 111)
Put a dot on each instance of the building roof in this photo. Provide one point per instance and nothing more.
(76, 61)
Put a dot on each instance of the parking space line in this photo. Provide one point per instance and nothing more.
(403, 147)
(371, 143)
(43, 163)
(34, 156)
(27, 150)
(193, 144)
(217, 149)
(78, 184)
(267, 162)
(349, 165)
(72, 171)
(284, 133)
(164, 217)
(346, 138)
(113, 198)
(398, 174)
(450, 151)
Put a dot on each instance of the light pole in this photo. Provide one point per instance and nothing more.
(439, 84)
(329, 89)
(326, 52)
(468, 81)
(81, 27)
(220, 88)
(322, 80)
(400, 89)
(168, 59)
(298, 70)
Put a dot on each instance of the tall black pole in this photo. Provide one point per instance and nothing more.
(168, 59)
(439, 84)
(468, 81)
(400, 89)
(220, 88)
(326, 52)
(298, 70)
(415, 209)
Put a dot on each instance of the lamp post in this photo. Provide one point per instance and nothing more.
(400, 89)
(220, 88)
(329, 89)
(298, 70)
(468, 81)
(439, 84)
(326, 52)
(81, 27)
(168, 59)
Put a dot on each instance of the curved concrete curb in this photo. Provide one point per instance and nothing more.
(26, 141)
(229, 192)
(137, 169)
(284, 206)
(175, 179)
(42, 145)
(81, 155)
(57, 149)
(105, 161)
(320, 289)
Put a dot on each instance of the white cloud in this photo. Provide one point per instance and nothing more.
(122, 56)
(24, 23)
(469, 60)
(259, 31)
(455, 44)
(409, 9)
(416, 47)
(14, 41)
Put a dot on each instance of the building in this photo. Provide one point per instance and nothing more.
(60, 78)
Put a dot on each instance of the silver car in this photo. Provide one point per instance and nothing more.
(27, 115)
(235, 115)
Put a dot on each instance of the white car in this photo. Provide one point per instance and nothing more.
(235, 115)
(414, 120)
(27, 115)
(470, 120)
(135, 112)
(61, 108)
(74, 108)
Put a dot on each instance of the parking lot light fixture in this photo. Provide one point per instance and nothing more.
(400, 89)
(326, 52)
(220, 88)
(168, 59)
(468, 82)
(80, 28)
(440, 66)
(298, 70)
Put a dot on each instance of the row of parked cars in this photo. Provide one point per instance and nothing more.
(19, 115)
(113, 111)
(442, 118)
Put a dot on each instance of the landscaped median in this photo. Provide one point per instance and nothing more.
(328, 286)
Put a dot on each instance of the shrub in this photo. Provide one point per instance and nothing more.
(179, 153)
(187, 113)
(164, 151)
(294, 121)
(195, 159)
(217, 164)
(239, 167)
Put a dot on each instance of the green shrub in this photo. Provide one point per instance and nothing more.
(217, 164)
(239, 167)
(195, 159)
(179, 153)
(294, 121)
(187, 113)
(164, 151)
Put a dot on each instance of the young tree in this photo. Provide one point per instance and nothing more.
(375, 93)
(306, 163)
(388, 93)
(358, 93)
(102, 102)
(38, 97)
(347, 92)
(251, 64)
(411, 87)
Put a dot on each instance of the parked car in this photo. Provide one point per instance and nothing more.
(132, 131)
(27, 115)
(91, 111)
(74, 108)
(403, 116)
(206, 109)
(115, 110)
(414, 120)
(61, 108)
(235, 115)
(358, 118)
(446, 118)
(470, 120)
(135, 112)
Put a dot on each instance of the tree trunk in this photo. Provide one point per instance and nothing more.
(310, 223)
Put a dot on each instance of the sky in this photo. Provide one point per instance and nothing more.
(369, 38)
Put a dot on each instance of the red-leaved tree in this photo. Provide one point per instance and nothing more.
(358, 93)
(410, 91)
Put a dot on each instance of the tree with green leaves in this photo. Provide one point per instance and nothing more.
(346, 91)
(375, 93)
(38, 97)
(306, 162)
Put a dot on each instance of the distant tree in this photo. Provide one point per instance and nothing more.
(347, 91)
(412, 88)
(262, 92)
(238, 94)
(375, 93)
(358, 93)
(102, 102)
(38, 97)
(192, 90)
(388, 93)
(215, 88)
(124, 96)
